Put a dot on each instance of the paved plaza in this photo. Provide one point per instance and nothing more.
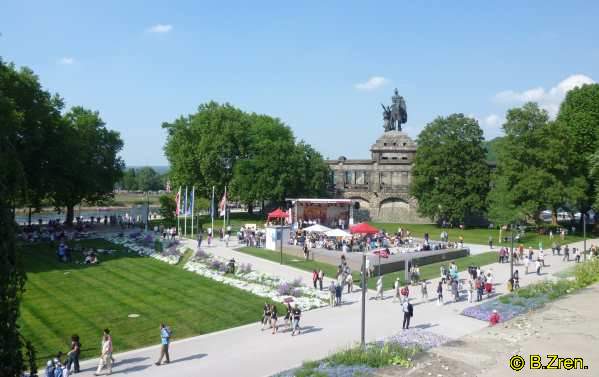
(248, 351)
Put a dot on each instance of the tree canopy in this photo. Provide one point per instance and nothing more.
(142, 179)
(534, 170)
(255, 155)
(450, 177)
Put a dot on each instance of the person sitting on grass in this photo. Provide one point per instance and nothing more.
(91, 258)
(494, 318)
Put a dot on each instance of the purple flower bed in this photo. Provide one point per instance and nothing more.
(423, 339)
(506, 311)
(296, 282)
(216, 264)
(284, 289)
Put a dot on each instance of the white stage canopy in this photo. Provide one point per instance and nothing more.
(337, 233)
(316, 228)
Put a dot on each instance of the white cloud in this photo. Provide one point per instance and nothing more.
(66, 61)
(547, 99)
(372, 83)
(160, 28)
(492, 120)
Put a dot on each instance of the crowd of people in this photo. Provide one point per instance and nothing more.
(292, 318)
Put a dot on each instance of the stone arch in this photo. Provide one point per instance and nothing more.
(395, 209)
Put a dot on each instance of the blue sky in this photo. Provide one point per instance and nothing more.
(322, 67)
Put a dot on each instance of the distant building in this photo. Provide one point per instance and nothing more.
(381, 183)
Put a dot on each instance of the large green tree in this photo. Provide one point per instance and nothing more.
(256, 156)
(450, 177)
(579, 118)
(533, 168)
(91, 165)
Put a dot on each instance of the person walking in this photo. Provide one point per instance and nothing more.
(494, 318)
(405, 293)
(106, 354)
(538, 267)
(424, 290)
(454, 290)
(541, 257)
(440, 293)
(479, 288)
(470, 290)
(273, 318)
(199, 239)
(338, 292)
(165, 339)
(566, 257)
(408, 311)
(73, 355)
(332, 293)
(320, 278)
(297, 313)
(397, 288)
(349, 281)
(314, 278)
(379, 288)
(265, 315)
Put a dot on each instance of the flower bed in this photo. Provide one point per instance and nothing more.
(255, 282)
(145, 244)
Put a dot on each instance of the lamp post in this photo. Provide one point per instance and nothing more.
(512, 255)
(147, 209)
(363, 334)
(584, 234)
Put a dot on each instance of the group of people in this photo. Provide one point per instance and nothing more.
(291, 319)
(56, 368)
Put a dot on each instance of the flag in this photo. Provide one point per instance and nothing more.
(223, 203)
(178, 200)
(185, 202)
(191, 201)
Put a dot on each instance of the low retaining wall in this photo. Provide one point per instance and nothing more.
(436, 256)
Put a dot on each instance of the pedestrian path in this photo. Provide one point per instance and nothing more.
(247, 351)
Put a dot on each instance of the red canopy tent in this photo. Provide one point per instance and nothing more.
(363, 228)
(277, 214)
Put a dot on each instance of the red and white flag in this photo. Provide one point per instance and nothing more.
(178, 200)
(223, 203)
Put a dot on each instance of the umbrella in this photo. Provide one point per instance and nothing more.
(364, 228)
(337, 233)
(277, 214)
(317, 228)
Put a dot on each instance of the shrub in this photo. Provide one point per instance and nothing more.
(375, 356)
(158, 246)
(296, 282)
(216, 264)
(296, 292)
(587, 273)
(284, 289)
(201, 254)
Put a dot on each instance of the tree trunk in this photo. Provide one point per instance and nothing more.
(250, 208)
(29, 218)
(262, 208)
(70, 215)
(554, 217)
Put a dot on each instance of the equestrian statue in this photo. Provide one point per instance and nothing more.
(396, 114)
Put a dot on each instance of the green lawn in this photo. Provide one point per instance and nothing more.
(432, 271)
(473, 235)
(299, 262)
(61, 300)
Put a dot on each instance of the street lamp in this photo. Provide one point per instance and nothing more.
(584, 234)
(512, 255)
(363, 336)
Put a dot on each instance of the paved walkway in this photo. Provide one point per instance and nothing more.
(246, 351)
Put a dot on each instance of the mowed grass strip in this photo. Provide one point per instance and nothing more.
(293, 261)
(433, 270)
(65, 299)
(474, 235)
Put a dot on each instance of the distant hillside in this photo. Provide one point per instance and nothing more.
(491, 147)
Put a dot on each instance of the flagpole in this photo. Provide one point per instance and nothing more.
(225, 209)
(179, 211)
(193, 189)
(212, 211)
(185, 214)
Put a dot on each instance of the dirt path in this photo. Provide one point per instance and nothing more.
(568, 327)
